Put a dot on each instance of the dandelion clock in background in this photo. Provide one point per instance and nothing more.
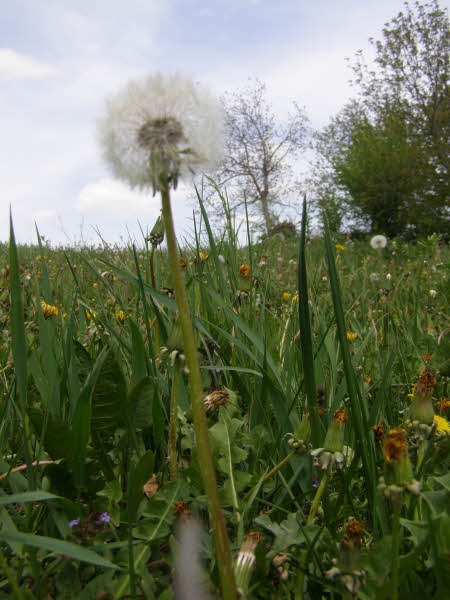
(162, 125)
(378, 241)
(155, 132)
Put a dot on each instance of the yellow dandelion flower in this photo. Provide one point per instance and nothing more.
(351, 336)
(286, 296)
(340, 247)
(49, 310)
(244, 270)
(442, 424)
(121, 316)
(95, 285)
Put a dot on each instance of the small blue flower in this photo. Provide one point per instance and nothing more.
(74, 523)
(316, 483)
(104, 517)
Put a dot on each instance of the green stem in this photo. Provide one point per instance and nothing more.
(173, 464)
(395, 551)
(222, 543)
(273, 472)
(309, 520)
(153, 280)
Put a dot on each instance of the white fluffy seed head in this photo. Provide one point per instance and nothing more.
(168, 114)
(378, 241)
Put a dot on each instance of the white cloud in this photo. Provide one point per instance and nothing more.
(114, 198)
(20, 66)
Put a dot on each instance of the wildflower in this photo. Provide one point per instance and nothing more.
(245, 561)
(183, 263)
(202, 256)
(263, 260)
(295, 299)
(398, 469)
(367, 379)
(121, 316)
(215, 399)
(95, 285)
(286, 296)
(160, 125)
(49, 310)
(74, 523)
(156, 236)
(351, 336)
(90, 314)
(378, 241)
(340, 248)
(104, 517)
(427, 357)
(444, 405)
(334, 453)
(181, 510)
(388, 276)
(442, 424)
(244, 271)
(374, 277)
(433, 293)
(378, 431)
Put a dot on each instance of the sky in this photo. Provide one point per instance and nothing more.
(60, 59)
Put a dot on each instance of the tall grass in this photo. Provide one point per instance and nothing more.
(87, 501)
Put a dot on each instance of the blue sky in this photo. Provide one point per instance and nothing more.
(59, 59)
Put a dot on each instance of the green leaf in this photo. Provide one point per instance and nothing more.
(109, 397)
(35, 496)
(58, 547)
(142, 473)
(138, 357)
(57, 440)
(141, 403)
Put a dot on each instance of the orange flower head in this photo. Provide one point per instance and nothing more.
(444, 405)
(183, 263)
(394, 449)
(354, 529)
(340, 416)
(426, 382)
(378, 431)
(427, 357)
(244, 271)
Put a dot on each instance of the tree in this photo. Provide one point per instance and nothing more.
(391, 155)
(259, 150)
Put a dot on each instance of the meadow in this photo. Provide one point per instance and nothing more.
(324, 362)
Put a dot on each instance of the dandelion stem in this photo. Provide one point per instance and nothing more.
(173, 424)
(153, 280)
(224, 560)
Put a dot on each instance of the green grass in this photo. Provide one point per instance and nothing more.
(87, 393)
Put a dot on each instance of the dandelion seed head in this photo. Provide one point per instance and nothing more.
(161, 115)
(378, 241)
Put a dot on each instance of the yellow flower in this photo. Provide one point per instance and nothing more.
(121, 316)
(49, 310)
(286, 296)
(442, 424)
(340, 248)
(244, 270)
(95, 285)
(90, 314)
(202, 256)
(351, 336)
(295, 299)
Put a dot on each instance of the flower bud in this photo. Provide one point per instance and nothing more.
(334, 440)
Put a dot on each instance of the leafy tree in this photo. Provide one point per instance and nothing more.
(259, 150)
(387, 159)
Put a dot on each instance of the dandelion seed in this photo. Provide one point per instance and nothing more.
(433, 293)
(162, 124)
(378, 241)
